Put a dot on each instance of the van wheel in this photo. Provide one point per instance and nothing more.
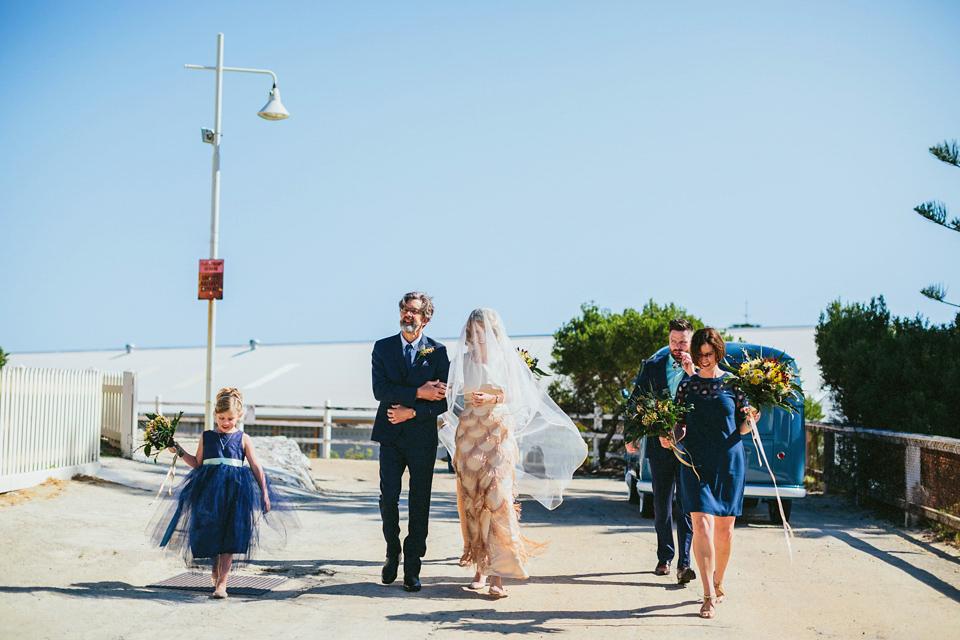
(646, 505)
(632, 496)
(774, 511)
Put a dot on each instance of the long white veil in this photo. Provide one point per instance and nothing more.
(551, 448)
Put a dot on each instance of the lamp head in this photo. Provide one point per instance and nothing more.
(274, 109)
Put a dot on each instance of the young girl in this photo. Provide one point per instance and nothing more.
(213, 518)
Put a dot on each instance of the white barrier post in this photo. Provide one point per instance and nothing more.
(597, 427)
(128, 414)
(327, 429)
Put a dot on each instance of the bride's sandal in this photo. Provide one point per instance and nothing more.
(718, 587)
(479, 582)
(709, 607)
(497, 592)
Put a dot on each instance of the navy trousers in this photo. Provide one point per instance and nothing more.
(394, 458)
(664, 475)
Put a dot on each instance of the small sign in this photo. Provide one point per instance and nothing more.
(210, 283)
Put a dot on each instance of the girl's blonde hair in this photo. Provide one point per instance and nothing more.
(229, 399)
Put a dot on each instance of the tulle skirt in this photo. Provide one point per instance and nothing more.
(219, 509)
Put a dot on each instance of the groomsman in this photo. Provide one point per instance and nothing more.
(658, 374)
(409, 381)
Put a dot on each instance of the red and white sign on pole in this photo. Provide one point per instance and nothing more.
(210, 283)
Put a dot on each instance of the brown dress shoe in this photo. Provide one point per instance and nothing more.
(685, 575)
(663, 568)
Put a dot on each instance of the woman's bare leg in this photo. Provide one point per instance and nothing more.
(723, 545)
(703, 549)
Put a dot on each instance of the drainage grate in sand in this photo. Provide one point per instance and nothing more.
(238, 585)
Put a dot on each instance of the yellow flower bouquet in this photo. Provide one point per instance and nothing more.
(767, 382)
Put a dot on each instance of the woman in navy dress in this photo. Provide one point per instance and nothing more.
(711, 436)
(214, 516)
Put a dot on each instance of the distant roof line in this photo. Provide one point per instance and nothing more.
(292, 344)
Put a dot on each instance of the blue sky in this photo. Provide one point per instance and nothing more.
(525, 156)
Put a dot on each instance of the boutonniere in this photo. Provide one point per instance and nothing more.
(423, 353)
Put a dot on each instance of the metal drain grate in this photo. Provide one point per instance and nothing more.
(237, 585)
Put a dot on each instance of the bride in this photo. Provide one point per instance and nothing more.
(505, 436)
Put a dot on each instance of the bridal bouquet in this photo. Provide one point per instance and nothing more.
(531, 363)
(158, 434)
(766, 382)
(657, 415)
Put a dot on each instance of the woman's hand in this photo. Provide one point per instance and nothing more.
(480, 399)
(751, 416)
(666, 443)
(266, 503)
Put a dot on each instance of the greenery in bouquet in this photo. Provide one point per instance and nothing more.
(158, 434)
(532, 363)
(766, 382)
(653, 414)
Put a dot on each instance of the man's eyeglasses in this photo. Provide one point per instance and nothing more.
(413, 310)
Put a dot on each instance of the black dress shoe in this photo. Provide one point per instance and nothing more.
(411, 583)
(663, 568)
(685, 575)
(389, 572)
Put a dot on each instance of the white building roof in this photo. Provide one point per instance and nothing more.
(309, 374)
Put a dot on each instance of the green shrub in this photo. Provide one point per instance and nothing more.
(896, 374)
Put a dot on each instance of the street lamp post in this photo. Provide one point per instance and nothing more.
(273, 110)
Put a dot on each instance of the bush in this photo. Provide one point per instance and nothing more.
(896, 374)
(3, 358)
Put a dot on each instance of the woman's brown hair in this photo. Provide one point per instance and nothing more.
(707, 335)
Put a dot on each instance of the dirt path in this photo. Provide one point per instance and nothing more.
(76, 565)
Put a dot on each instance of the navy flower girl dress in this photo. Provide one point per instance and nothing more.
(218, 508)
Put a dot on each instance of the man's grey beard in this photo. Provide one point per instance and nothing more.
(408, 327)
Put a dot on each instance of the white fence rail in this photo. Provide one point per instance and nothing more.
(118, 424)
(316, 424)
(50, 421)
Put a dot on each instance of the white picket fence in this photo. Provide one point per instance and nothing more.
(51, 422)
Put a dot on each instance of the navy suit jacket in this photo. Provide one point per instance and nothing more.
(396, 382)
(653, 377)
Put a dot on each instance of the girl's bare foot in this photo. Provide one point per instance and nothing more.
(479, 581)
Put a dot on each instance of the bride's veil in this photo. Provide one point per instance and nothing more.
(550, 446)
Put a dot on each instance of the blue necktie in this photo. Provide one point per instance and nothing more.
(409, 352)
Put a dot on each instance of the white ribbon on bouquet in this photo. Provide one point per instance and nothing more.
(762, 457)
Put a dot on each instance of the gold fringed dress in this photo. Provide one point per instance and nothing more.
(485, 459)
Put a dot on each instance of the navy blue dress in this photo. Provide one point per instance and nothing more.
(714, 446)
(218, 508)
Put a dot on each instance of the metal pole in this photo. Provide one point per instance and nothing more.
(214, 231)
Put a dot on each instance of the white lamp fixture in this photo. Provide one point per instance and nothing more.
(274, 108)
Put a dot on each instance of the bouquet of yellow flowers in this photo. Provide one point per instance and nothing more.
(652, 414)
(158, 434)
(767, 382)
(531, 363)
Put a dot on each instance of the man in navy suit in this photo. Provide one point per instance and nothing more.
(409, 380)
(658, 374)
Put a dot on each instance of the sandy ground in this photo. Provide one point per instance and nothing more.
(76, 564)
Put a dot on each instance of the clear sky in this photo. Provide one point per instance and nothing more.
(525, 156)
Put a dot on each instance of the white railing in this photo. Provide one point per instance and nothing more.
(50, 422)
(315, 424)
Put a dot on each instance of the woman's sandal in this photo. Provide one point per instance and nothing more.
(718, 587)
(479, 582)
(497, 592)
(220, 595)
(709, 607)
